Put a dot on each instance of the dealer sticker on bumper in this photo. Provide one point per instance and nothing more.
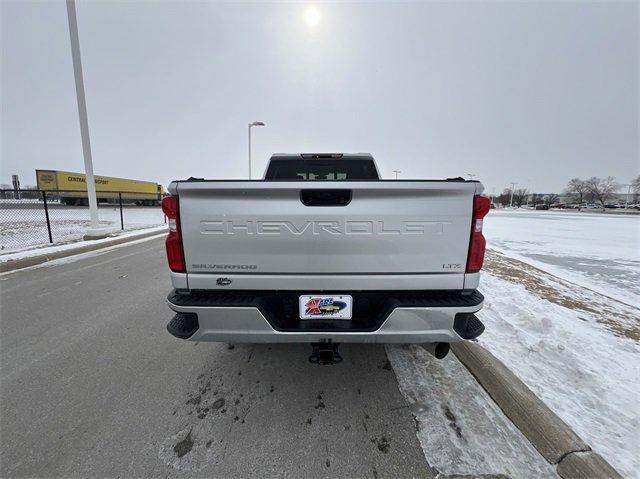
(326, 307)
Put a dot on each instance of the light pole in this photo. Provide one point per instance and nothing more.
(513, 186)
(82, 113)
(397, 172)
(626, 200)
(252, 124)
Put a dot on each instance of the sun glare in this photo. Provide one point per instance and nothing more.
(311, 17)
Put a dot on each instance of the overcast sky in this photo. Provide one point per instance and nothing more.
(535, 93)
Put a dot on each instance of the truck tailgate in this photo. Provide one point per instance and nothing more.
(387, 227)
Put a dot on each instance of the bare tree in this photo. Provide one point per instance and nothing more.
(577, 189)
(602, 188)
(551, 199)
(520, 196)
(505, 197)
(635, 187)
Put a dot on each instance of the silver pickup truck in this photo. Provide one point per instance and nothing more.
(323, 251)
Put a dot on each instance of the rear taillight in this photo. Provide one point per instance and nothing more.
(175, 255)
(477, 244)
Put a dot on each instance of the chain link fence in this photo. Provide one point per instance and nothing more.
(33, 218)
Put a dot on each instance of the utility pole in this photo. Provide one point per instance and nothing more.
(397, 172)
(513, 186)
(251, 125)
(84, 123)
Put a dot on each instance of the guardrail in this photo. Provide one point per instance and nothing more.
(31, 218)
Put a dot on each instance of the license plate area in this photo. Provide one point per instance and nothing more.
(326, 306)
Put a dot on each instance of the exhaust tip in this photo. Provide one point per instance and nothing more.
(438, 350)
(442, 349)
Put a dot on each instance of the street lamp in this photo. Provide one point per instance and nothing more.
(84, 124)
(253, 123)
(626, 200)
(397, 172)
(513, 186)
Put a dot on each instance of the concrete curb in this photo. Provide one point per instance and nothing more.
(549, 434)
(578, 465)
(21, 263)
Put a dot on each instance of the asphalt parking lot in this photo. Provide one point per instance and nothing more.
(93, 385)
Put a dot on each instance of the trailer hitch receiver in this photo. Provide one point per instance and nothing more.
(325, 353)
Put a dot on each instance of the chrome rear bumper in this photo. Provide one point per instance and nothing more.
(248, 324)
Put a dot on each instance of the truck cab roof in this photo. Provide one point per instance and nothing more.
(307, 156)
(322, 166)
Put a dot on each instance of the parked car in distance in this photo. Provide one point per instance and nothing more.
(542, 206)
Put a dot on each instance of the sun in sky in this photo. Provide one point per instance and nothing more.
(311, 17)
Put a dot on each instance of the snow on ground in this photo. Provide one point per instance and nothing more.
(562, 311)
(25, 228)
(461, 430)
(71, 246)
(576, 349)
(89, 254)
(599, 251)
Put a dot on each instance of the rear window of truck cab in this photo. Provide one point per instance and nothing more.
(321, 170)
